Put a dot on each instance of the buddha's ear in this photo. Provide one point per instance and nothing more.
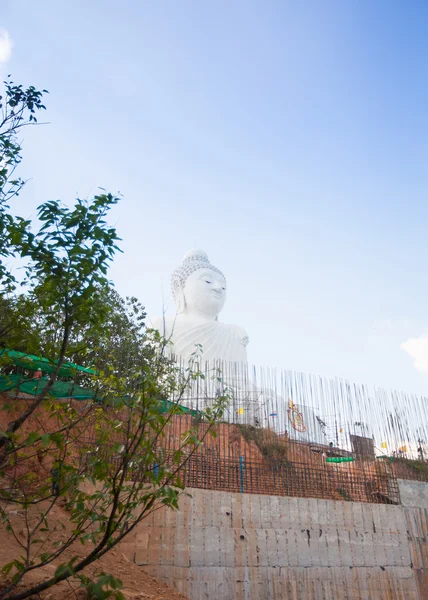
(180, 300)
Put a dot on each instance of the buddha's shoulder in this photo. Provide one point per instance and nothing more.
(239, 332)
(163, 324)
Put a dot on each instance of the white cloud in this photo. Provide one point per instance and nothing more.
(417, 348)
(5, 47)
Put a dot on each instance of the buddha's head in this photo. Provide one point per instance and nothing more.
(198, 287)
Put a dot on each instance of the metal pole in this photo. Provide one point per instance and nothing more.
(241, 473)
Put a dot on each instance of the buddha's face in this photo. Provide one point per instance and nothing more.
(205, 292)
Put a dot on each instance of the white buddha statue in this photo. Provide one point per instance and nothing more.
(199, 291)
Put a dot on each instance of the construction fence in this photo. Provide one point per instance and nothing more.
(291, 434)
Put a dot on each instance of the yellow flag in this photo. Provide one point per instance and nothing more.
(384, 445)
(402, 449)
(240, 411)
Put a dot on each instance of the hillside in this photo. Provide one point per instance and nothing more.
(137, 585)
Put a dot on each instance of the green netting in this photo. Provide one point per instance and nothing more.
(60, 389)
(36, 363)
(162, 407)
(166, 406)
(69, 389)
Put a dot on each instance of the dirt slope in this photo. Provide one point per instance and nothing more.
(137, 585)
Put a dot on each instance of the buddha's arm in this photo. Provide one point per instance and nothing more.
(164, 325)
(243, 336)
(159, 324)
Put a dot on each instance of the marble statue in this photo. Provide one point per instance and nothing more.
(199, 291)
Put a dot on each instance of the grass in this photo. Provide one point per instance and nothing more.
(273, 448)
(420, 467)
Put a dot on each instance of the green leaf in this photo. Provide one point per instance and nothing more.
(32, 438)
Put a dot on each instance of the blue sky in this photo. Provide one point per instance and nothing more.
(287, 139)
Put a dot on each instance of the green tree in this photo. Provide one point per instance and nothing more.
(19, 107)
(68, 260)
(111, 466)
(107, 460)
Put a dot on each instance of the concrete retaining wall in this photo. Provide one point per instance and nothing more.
(414, 498)
(413, 493)
(223, 545)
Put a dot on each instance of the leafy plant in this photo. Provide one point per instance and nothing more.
(102, 461)
(68, 258)
(106, 586)
(108, 467)
(19, 107)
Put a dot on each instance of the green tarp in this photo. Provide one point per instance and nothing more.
(38, 363)
(69, 389)
(339, 459)
(60, 389)
(166, 406)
